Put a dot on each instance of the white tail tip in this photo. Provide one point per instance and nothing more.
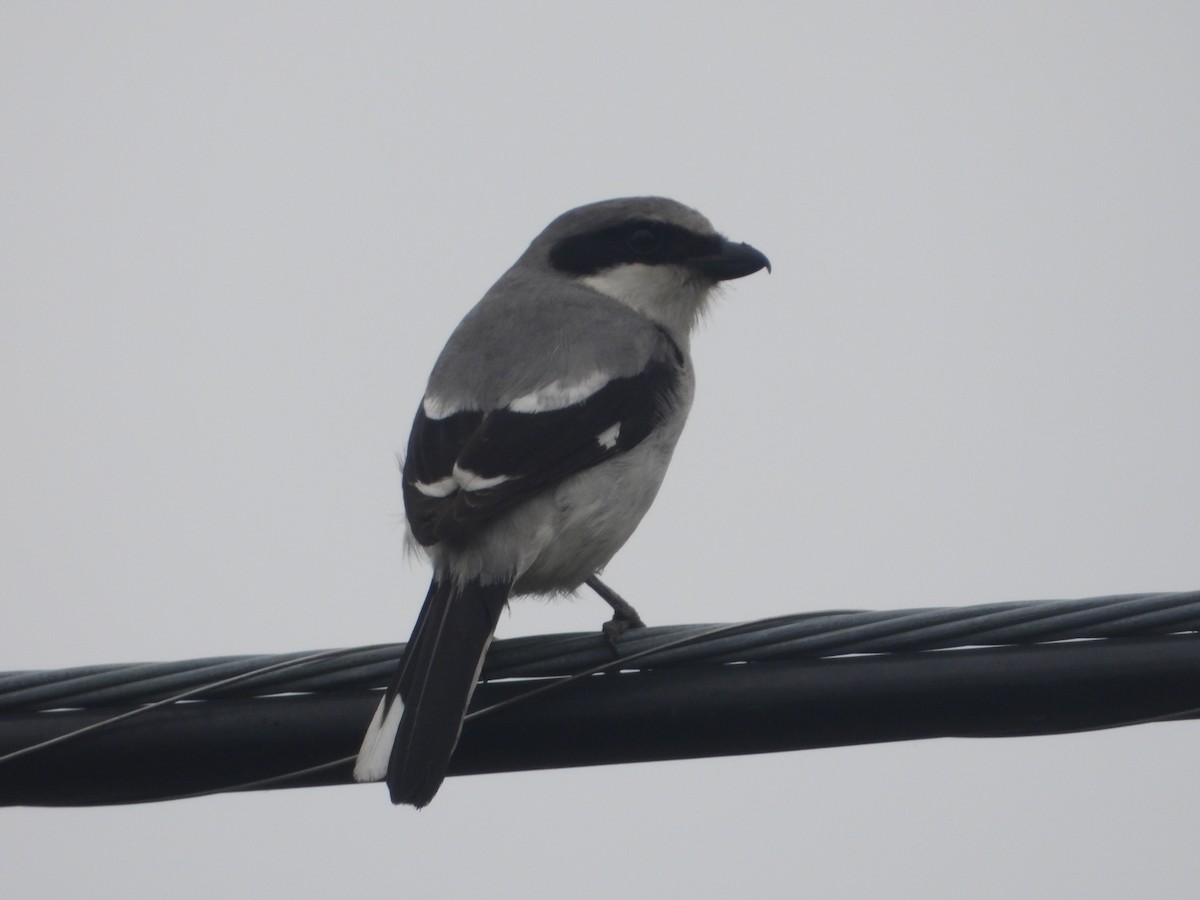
(376, 750)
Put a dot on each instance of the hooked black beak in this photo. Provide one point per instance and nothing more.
(731, 261)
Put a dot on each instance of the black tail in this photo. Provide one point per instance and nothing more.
(435, 681)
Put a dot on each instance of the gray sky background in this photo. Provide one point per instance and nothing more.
(236, 235)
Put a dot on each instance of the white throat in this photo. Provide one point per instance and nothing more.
(670, 295)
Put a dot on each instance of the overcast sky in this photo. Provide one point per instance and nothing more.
(235, 237)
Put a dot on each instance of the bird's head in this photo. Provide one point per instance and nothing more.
(651, 253)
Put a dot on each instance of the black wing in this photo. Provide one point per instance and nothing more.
(530, 451)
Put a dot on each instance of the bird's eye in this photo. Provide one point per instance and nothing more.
(644, 241)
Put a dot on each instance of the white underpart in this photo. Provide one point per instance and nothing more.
(608, 437)
(669, 295)
(437, 408)
(376, 750)
(559, 394)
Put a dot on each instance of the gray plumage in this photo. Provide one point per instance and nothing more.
(537, 326)
(545, 431)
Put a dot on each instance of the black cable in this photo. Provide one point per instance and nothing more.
(679, 701)
(661, 714)
(802, 636)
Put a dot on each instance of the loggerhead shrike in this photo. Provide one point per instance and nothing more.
(544, 434)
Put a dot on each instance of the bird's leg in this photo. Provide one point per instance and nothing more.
(624, 615)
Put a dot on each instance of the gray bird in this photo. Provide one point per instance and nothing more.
(543, 436)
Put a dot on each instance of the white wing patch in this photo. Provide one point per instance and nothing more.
(443, 487)
(608, 437)
(559, 394)
(460, 480)
(437, 408)
(470, 481)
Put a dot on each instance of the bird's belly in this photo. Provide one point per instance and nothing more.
(594, 513)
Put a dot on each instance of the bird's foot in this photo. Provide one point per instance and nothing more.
(624, 617)
(617, 626)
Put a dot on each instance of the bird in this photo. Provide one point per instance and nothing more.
(544, 433)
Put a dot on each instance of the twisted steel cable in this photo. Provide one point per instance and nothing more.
(801, 636)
